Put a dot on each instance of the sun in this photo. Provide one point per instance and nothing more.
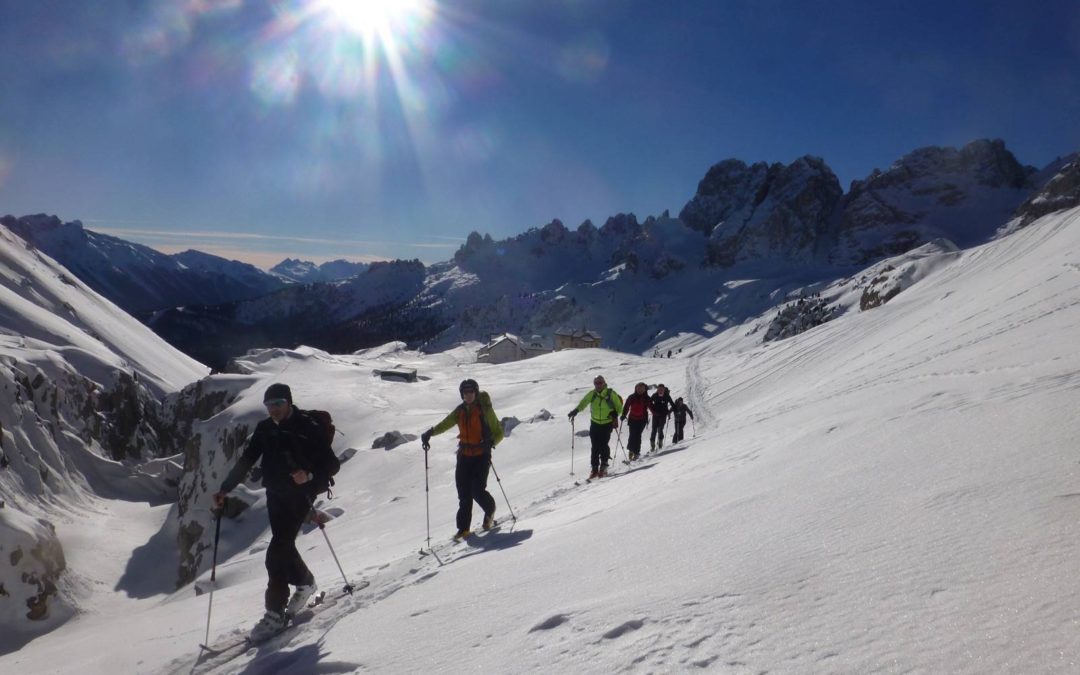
(378, 17)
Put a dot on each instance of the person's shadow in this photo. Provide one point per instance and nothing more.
(305, 659)
(497, 540)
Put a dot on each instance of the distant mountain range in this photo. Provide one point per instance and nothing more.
(136, 277)
(140, 279)
(306, 272)
(749, 236)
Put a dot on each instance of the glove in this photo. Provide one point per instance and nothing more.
(572, 413)
(425, 440)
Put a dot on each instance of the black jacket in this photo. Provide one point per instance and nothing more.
(681, 410)
(661, 405)
(297, 443)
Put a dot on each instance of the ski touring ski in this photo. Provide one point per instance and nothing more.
(216, 655)
(441, 550)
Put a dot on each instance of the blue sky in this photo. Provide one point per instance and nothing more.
(309, 128)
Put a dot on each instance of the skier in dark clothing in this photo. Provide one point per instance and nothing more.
(679, 411)
(605, 406)
(636, 409)
(479, 431)
(297, 464)
(661, 406)
(3, 458)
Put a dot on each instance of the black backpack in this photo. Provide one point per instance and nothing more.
(325, 422)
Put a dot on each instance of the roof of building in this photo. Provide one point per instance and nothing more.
(583, 333)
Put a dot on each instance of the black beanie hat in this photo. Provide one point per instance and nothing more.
(278, 390)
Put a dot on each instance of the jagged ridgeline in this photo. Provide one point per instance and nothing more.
(748, 230)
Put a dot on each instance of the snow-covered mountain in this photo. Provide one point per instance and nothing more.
(891, 491)
(762, 213)
(798, 213)
(1060, 192)
(83, 418)
(747, 238)
(963, 195)
(136, 277)
(307, 272)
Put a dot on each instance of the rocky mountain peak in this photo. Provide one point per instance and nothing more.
(729, 187)
(762, 211)
(1060, 192)
(986, 161)
(961, 195)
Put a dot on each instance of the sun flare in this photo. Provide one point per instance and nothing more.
(378, 17)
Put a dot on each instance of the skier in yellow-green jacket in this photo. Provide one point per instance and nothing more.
(479, 431)
(605, 406)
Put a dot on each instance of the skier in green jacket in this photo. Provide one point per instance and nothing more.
(605, 406)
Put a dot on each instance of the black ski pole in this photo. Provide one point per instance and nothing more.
(510, 508)
(427, 502)
(618, 440)
(572, 438)
(322, 526)
(213, 574)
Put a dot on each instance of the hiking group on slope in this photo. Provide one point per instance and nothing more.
(294, 451)
(607, 408)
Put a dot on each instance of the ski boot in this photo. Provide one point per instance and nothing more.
(300, 598)
(270, 625)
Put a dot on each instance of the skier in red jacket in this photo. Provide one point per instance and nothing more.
(636, 409)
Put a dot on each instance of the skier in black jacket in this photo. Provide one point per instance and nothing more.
(297, 463)
(679, 411)
(661, 406)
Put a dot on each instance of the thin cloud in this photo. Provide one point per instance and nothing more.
(264, 250)
(268, 259)
(244, 236)
(213, 235)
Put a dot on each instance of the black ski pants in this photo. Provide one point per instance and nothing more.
(471, 478)
(680, 424)
(657, 437)
(600, 436)
(284, 566)
(633, 439)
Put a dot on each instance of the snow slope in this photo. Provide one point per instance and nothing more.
(40, 302)
(893, 491)
(82, 384)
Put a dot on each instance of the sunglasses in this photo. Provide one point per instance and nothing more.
(276, 402)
